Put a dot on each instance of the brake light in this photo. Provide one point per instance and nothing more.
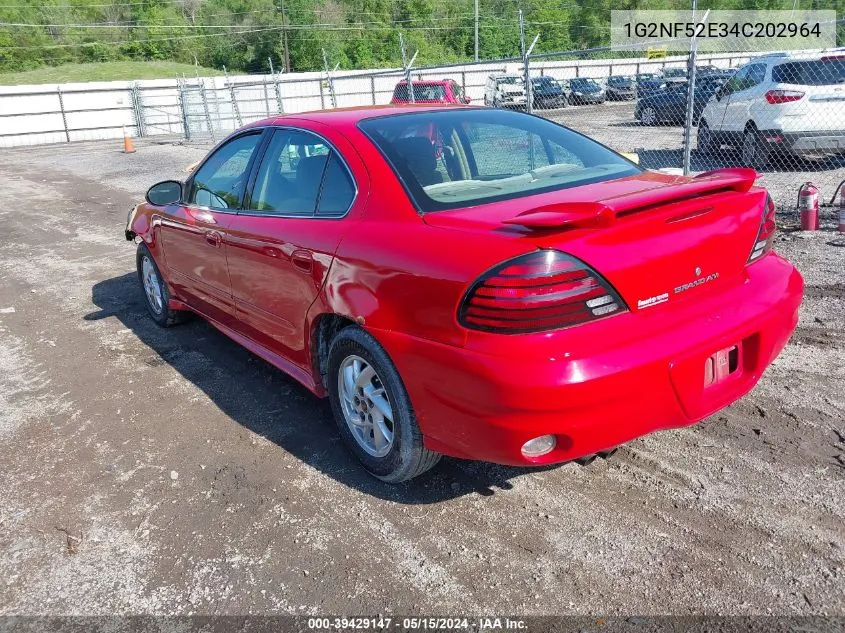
(543, 290)
(783, 96)
(766, 233)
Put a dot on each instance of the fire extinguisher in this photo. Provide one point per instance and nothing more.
(808, 206)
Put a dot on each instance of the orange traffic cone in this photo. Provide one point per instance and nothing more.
(128, 147)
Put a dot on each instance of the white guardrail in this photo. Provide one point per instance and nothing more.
(63, 113)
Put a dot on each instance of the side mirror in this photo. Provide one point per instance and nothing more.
(467, 99)
(163, 193)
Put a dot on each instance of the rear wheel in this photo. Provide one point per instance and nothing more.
(649, 116)
(372, 409)
(156, 294)
(753, 152)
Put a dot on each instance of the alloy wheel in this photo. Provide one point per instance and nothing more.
(649, 116)
(152, 285)
(365, 405)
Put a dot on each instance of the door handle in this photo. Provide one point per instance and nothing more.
(214, 238)
(303, 260)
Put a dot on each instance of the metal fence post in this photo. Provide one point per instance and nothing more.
(329, 80)
(183, 108)
(138, 111)
(373, 88)
(526, 56)
(64, 115)
(233, 99)
(278, 88)
(266, 94)
(207, 113)
(688, 120)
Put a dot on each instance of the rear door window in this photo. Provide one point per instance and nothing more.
(300, 175)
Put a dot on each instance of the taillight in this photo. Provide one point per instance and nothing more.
(543, 290)
(766, 233)
(783, 96)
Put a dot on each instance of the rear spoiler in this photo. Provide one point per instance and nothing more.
(596, 215)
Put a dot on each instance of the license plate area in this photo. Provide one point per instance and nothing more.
(721, 365)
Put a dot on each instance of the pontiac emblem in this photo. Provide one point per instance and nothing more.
(697, 271)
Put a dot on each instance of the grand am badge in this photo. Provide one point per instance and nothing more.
(698, 282)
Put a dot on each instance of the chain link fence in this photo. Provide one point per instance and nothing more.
(783, 114)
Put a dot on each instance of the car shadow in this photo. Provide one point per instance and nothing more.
(253, 393)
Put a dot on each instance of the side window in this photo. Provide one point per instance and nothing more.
(301, 175)
(220, 182)
(737, 80)
(290, 174)
(338, 191)
(756, 74)
(457, 92)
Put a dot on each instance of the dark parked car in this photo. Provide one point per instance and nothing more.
(547, 93)
(620, 88)
(584, 90)
(674, 73)
(648, 83)
(670, 103)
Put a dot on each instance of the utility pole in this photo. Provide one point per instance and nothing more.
(287, 68)
(476, 30)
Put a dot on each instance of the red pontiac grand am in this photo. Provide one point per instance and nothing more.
(472, 282)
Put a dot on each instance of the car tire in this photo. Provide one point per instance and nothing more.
(704, 141)
(375, 418)
(648, 116)
(753, 152)
(155, 290)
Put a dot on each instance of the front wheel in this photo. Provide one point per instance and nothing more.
(372, 409)
(156, 293)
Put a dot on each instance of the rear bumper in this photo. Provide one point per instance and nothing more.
(827, 141)
(482, 406)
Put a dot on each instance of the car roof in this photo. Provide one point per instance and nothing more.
(426, 82)
(351, 116)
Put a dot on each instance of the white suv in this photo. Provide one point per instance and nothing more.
(779, 104)
(503, 91)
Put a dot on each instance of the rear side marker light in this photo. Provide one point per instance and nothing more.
(543, 290)
(539, 446)
(783, 96)
(766, 232)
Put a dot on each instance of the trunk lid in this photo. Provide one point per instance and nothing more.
(656, 238)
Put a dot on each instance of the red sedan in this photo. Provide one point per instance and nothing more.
(472, 282)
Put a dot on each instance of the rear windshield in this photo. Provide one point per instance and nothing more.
(583, 83)
(447, 160)
(422, 92)
(811, 73)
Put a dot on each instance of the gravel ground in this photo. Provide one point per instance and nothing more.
(172, 472)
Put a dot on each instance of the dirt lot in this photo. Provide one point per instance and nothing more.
(171, 472)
